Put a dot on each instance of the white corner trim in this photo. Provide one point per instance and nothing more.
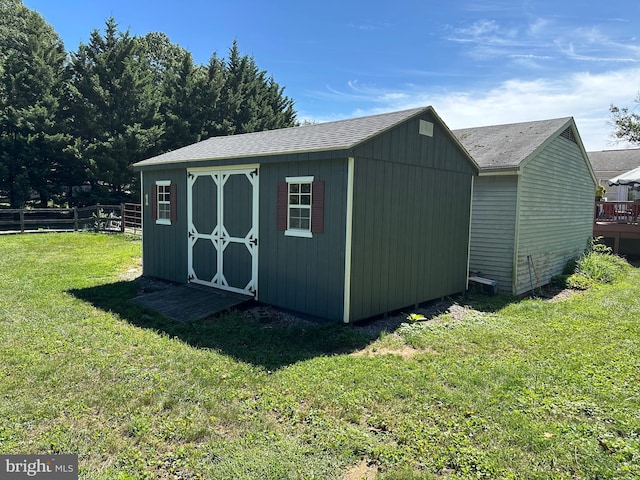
(348, 239)
(144, 202)
(470, 226)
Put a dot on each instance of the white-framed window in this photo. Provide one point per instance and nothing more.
(163, 195)
(299, 200)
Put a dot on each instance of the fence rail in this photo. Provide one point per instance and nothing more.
(109, 218)
(132, 217)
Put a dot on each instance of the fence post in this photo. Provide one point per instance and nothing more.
(22, 220)
(75, 219)
(122, 218)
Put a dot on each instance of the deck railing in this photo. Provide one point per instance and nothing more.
(617, 221)
(617, 212)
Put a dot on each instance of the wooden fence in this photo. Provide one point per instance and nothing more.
(132, 218)
(105, 218)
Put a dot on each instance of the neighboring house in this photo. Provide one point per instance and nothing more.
(533, 202)
(343, 220)
(611, 163)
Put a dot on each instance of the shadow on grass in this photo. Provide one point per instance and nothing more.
(264, 342)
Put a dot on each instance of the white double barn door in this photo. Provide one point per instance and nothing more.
(223, 228)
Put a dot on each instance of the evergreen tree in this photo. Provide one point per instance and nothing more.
(32, 60)
(249, 100)
(66, 122)
(115, 110)
(212, 117)
(177, 82)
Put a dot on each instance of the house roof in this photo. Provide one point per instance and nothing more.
(499, 147)
(339, 135)
(615, 160)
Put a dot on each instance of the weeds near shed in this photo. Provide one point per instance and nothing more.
(597, 265)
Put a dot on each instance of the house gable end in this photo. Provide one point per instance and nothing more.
(567, 132)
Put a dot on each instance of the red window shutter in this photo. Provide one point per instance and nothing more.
(154, 201)
(317, 207)
(173, 197)
(281, 207)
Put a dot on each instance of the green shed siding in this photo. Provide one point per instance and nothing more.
(405, 145)
(164, 247)
(493, 225)
(555, 224)
(304, 274)
(410, 236)
(411, 215)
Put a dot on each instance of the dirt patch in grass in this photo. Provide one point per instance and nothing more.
(133, 271)
(390, 323)
(404, 351)
(362, 471)
(560, 295)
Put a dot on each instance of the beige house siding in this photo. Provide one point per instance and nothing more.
(555, 224)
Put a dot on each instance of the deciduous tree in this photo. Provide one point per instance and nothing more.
(626, 123)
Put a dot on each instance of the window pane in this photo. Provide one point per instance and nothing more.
(163, 193)
(299, 206)
(164, 211)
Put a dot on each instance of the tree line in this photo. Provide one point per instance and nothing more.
(72, 124)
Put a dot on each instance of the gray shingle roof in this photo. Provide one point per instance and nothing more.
(507, 146)
(343, 134)
(615, 160)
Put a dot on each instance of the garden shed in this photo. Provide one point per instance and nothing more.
(342, 220)
(533, 202)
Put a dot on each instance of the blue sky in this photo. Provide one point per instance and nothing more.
(479, 62)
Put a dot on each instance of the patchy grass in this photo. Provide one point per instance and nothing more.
(495, 388)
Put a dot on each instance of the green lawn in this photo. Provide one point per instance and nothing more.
(503, 389)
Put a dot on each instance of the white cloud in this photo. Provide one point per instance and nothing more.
(539, 27)
(584, 96)
(548, 39)
(484, 32)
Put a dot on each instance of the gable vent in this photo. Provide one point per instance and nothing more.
(426, 128)
(568, 134)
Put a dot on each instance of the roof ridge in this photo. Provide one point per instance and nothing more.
(614, 150)
(564, 119)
